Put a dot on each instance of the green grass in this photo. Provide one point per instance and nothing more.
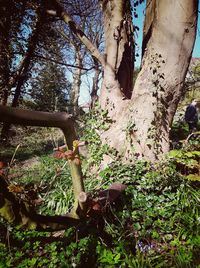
(29, 142)
(154, 223)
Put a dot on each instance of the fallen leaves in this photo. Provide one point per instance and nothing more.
(15, 188)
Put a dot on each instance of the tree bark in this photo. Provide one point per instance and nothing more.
(95, 82)
(5, 25)
(142, 128)
(119, 51)
(75, 91)
(159, 86)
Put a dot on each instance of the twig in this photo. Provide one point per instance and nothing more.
(190, 135)
(13, 157)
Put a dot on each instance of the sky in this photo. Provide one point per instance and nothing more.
(196, 50)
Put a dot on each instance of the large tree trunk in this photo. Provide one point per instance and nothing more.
(119, 50)
(142, 125)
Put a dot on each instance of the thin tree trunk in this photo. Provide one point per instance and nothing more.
(75, 91)
(95, 86)
(21, 74)
(5, 24)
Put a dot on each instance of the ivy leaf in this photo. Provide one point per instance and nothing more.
(193, 177)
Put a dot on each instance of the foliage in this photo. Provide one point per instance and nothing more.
(154, 223)
(50, 89)
(29, 142)
(96, 122)
(196, 71)
(187, 163)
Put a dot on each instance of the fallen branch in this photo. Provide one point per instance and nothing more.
(63, 121)
(16, 211)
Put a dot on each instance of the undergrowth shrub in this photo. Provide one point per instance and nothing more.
(154, 223)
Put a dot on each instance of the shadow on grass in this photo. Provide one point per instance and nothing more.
(7, 151)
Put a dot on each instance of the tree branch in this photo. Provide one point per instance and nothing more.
(59, 11)
(63, 121)
(62, 63)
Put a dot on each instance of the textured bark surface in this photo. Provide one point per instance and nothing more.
(119, 51)
(142, 127)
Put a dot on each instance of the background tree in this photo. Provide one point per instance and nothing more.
(12, 17)
(89, 19)
(50, 89)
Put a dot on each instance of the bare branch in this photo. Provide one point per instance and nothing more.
(62, 63)
(78, 32)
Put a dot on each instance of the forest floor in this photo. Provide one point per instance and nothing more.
(154, 223)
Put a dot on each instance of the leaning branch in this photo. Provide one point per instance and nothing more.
(59, 11)
(63, 121)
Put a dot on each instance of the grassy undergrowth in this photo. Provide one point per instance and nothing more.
(30, 141)
(154, 223)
